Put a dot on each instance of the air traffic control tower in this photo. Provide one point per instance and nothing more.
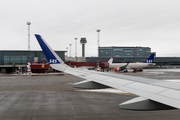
(83, 41)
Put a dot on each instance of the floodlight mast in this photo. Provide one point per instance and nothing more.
(70, 49)
(98, 41)
(67, 51)
(28, 23)
(75, 47)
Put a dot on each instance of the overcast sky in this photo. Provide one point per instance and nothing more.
(146, 23)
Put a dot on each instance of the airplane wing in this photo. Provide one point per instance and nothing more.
(153, 94)
(124, 67)
(121, 68)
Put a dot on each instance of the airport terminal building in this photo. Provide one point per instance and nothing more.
(132, 54)
(11, 59)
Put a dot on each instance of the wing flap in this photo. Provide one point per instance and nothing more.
(146, 87)
(168, 84)
(174, 94)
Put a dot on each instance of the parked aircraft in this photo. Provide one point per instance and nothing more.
(154, 94)
(136, 66)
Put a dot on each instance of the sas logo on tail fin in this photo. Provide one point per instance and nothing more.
(53, 61)
(149, 61)
(48, 52)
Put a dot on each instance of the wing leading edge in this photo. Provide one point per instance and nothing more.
(154, 94)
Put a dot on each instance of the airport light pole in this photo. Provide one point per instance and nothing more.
(75, 47)
(67, 51)
(28, 23)
(70, 49)
(98, 41)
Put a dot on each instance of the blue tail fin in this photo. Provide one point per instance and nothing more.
(54, 60)
(51, 56)
(150, 59)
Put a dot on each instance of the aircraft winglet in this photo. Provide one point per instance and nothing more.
(54, 60)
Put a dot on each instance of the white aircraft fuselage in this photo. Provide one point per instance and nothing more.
(135, 66)
(131, 65)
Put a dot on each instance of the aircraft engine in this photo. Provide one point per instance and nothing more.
(116, 69)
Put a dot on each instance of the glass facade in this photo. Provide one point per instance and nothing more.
(21, 57)
(124, 51)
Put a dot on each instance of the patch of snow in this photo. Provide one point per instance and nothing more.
(107, 90)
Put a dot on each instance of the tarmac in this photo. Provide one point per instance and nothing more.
(52, 97)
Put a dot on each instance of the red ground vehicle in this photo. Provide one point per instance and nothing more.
(37, 67)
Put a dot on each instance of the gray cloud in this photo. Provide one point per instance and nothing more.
(145, 23)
